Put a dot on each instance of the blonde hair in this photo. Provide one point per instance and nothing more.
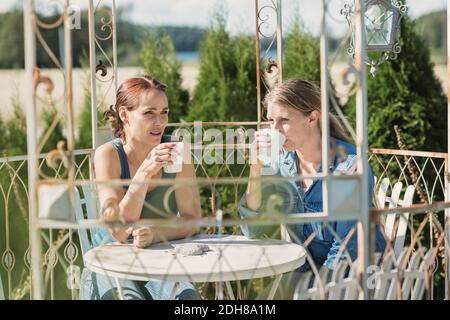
(305, 97)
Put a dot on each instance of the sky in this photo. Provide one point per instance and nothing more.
(241, 13)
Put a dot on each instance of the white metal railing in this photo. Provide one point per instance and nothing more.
(14, 204)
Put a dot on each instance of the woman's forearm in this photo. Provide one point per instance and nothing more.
(166, 234)
(120, 234)
(133, 201)
(253, 194)
(161, 234)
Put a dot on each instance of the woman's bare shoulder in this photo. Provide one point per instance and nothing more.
(105, 150)
(106, 157)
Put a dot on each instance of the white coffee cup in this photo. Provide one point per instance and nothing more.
(270, 156)
(177, 158)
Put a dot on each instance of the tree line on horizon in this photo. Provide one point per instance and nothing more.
(129, 34)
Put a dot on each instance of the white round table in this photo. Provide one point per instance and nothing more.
(230, 258)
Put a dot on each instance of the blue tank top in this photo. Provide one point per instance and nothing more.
(160, 202)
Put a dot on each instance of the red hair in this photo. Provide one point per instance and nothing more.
(128, 95)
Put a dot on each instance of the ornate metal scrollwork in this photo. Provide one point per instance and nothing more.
(263, 21)
(269, 70)
(271, 65)
(39, 78)
(57, 6)
(55, 157)
(106, 26)
(102, 68)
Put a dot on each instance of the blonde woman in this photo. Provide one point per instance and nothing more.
(294, 109)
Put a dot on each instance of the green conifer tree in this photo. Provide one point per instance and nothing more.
(16, 129)
(302, 54)
(226, 87)
(157, 57)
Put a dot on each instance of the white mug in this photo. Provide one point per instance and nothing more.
(177, 158)
(270, 157)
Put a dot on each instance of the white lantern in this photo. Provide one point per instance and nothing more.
(381, 22)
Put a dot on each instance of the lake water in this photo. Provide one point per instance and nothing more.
(194, 56)
(188, 56)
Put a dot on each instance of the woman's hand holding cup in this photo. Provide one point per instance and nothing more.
(267, 147)
(262, 142)
(159, 157)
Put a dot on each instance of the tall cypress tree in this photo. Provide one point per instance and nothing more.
(226, 87)
(302, 54)
(158, 59)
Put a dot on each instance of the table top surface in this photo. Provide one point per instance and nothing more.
(230, 257)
